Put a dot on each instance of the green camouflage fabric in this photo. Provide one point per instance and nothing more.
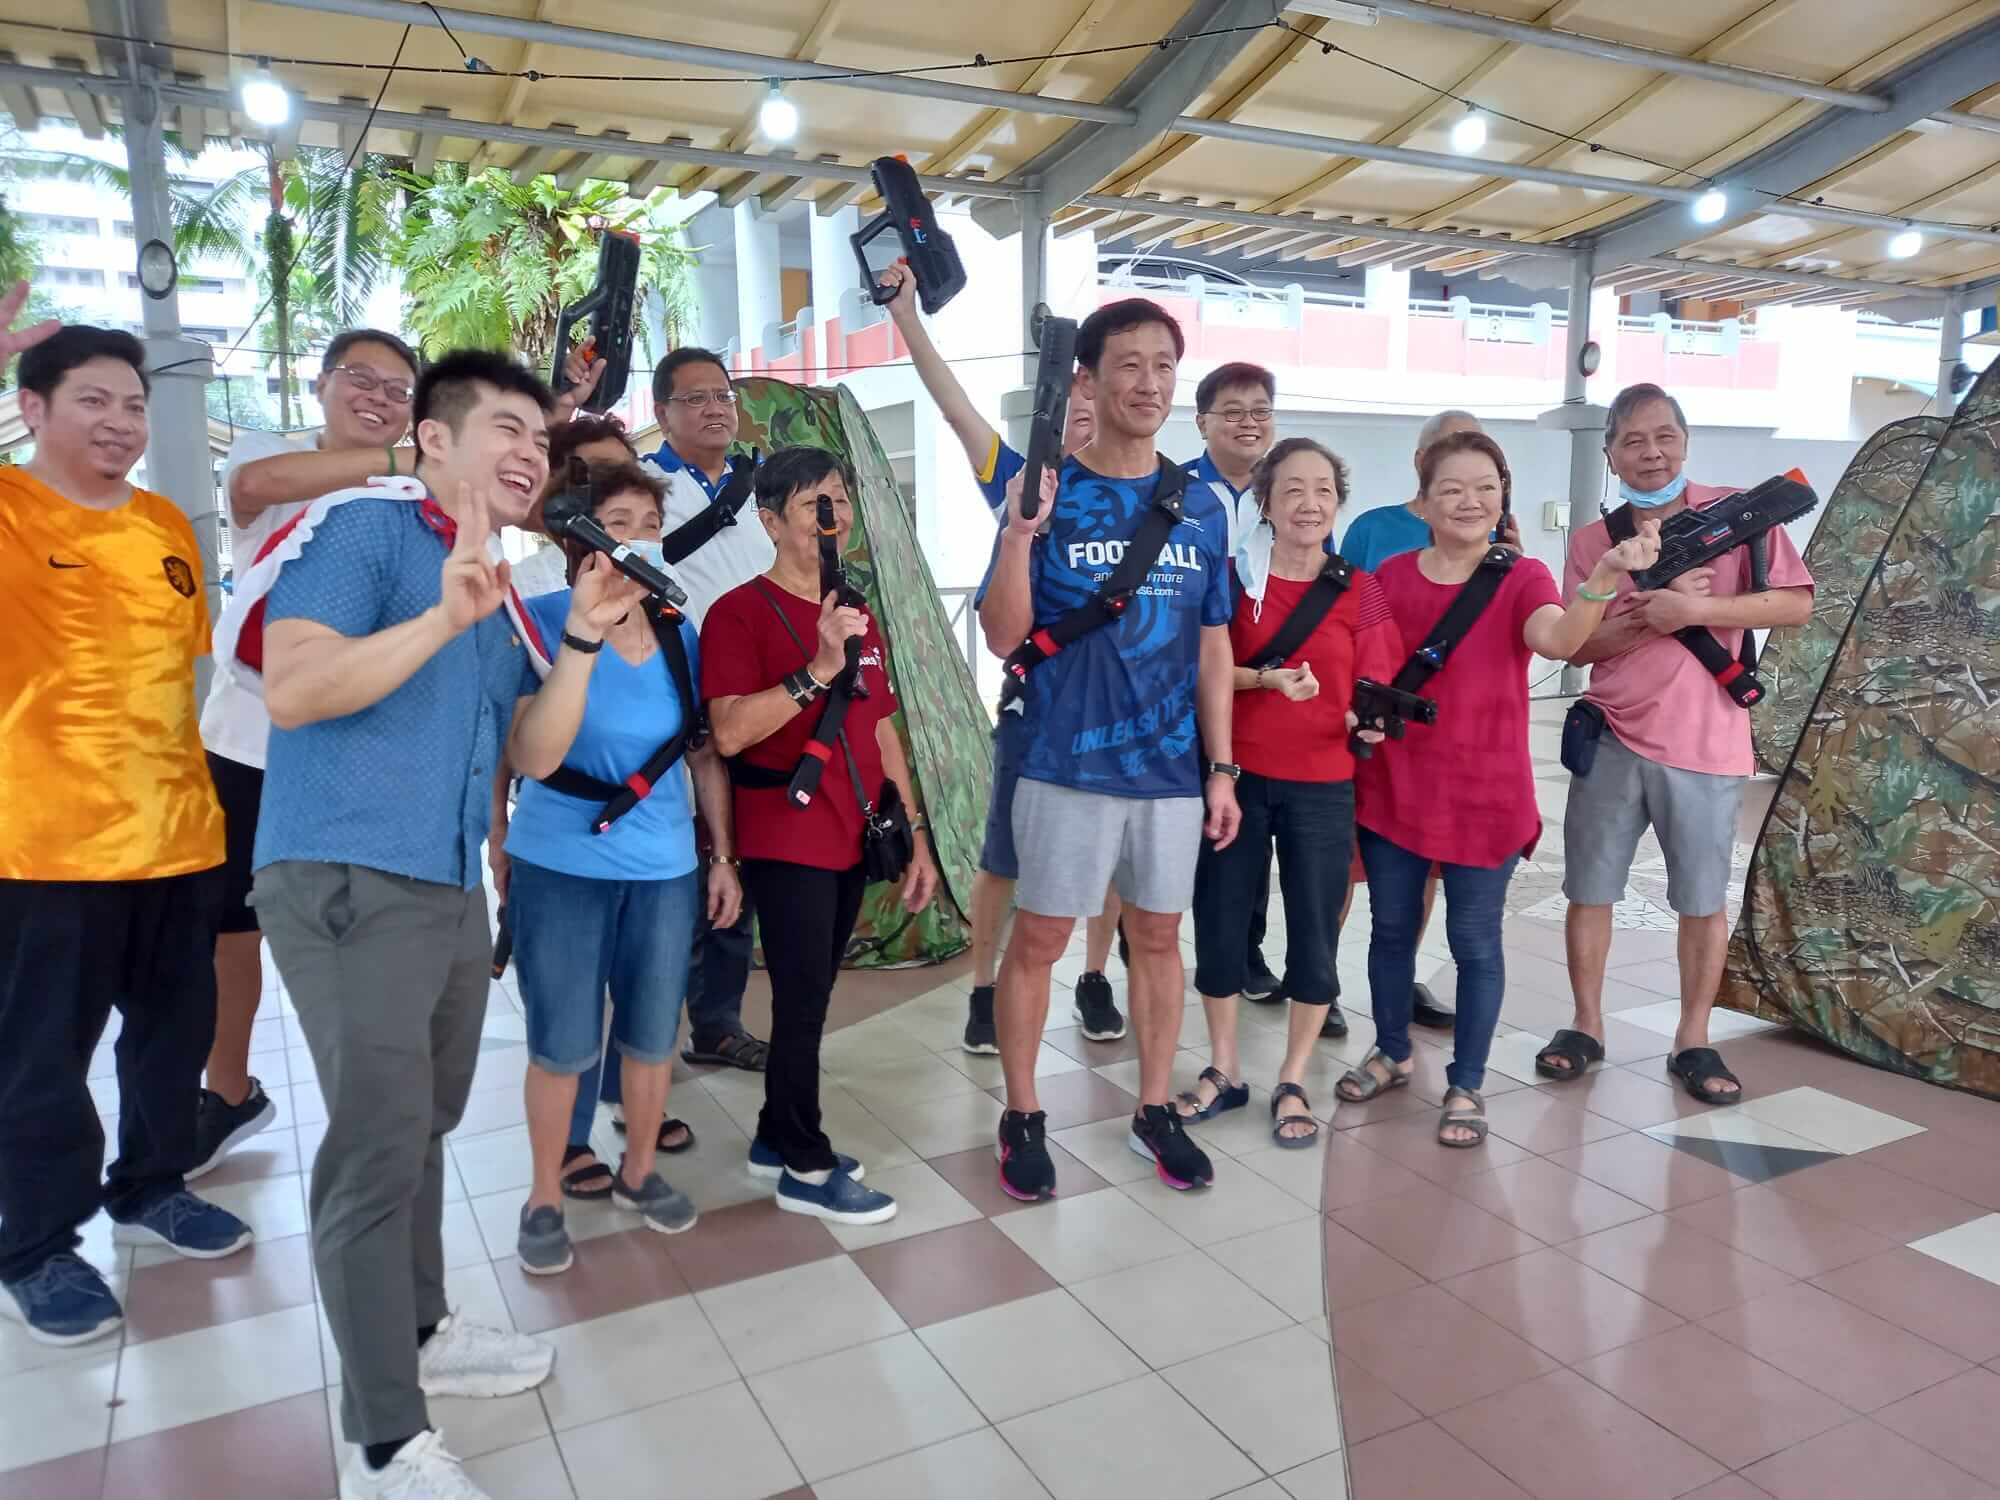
(1871, 916)
(1851, 533)
(944, 727)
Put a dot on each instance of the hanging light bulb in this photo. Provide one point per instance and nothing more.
(1710, 207)
(1906, 244)
(265, 100)
(779, 117)
(1469, 134)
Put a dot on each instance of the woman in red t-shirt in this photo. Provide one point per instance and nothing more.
(770, 650)
(1296, 784)
(1461, 792)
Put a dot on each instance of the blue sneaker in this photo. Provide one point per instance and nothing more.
(767, 1164)
(188, 1226)
(840, 1198)
(65, 1302)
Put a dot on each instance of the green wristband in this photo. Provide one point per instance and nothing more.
(1584, 593)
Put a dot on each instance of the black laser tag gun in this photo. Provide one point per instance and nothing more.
(932, 256)
(611, 306)
(1388, 709)
(1692, 539)
(1054, 371)
(567, 515)
(833, 580)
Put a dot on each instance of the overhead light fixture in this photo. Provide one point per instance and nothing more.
(265, 100)
(1469, 134)
(1336, 10)
(1906, 244)
(779, 117)
(1711, 206)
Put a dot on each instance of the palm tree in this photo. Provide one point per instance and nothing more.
(489, 262)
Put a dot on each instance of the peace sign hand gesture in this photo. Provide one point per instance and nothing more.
(471, 585)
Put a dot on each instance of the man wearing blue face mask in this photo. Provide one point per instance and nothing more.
(1674, 750)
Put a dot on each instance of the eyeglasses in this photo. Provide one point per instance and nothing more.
(1236, 416)
(702, 400)
(366, 380)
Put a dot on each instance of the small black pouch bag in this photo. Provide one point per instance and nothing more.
(1583, 726)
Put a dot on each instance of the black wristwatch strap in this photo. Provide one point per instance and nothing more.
(1225, 768)
(588, 648)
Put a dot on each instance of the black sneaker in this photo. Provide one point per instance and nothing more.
(220, 1127)
(1158, 1135)
(1262, 985)
(979, 1034)
(1096, 1011)
(1026, 1172)
(1425, 1011)
(1335, 1024)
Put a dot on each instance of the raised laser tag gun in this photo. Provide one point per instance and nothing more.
(1695, 538)
(1056, 338)
(833, 580)
(611, 307)
(932, 256)
(1388, 709)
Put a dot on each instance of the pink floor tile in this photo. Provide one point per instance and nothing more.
(183, 1295)
(1355, 1174)
(1079, 1098)
(283, 1451)
(1949, 1163)
(1955, 1420)
(1648, 1171)
(1412, 1143)
(78, 1477)
(1356, 1272)
(1835, 1347)
(976, 1176)
(1560, 1305)
(1542, 1120)
(613, 1273)
(745, 1240)
(1857, 1190)
(1952, 1308)
(1433, 1350)
(1780, 1231)
(1864, 1461)
(1425, 1463)
(1549, 1202)
(1368, 1408)
(1435, 1234)
(1681, 1269)
(948, 1273)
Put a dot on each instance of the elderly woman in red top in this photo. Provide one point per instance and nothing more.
(1306, 626)
(1462, 791)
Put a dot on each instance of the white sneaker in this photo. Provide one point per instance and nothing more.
(472, 1359)
(421, 1470)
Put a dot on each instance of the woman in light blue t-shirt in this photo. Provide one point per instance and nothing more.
(597, 903)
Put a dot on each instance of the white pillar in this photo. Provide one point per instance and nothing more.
(1388, 295)
(1584, 422)
(1017, 407)
(759, 296)
(834, 272)
(1951, 348)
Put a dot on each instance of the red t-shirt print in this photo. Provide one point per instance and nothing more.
(1461, 790)
(1286, 741)
(745, 649)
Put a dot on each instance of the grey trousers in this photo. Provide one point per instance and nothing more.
(389, 977)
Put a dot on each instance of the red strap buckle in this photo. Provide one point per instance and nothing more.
(1729, 673)
(1044, 643)
(819, 752)
(640, 786)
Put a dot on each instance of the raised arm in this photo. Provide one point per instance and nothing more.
(284, 478)
(975, 433)
(1007, 606)
(545, 723)
(1558, 633)
(736, 723)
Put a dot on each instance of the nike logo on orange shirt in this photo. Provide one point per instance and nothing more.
(54, 564)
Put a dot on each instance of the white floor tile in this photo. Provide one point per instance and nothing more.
(494, 1163)
(940, 1126)
(1101, 1146)
(1730, 1125)
(875, 1042)
(902, 1080)
(810, 1310)
(1024, 1355)
(1299, 1171)
(620, 1363)
(1281, 1264)
(498, 1216)
(1237, 1203)
(1513, 1056)
(193, 1376)
(1829, 1121)
(1272, 1397)
(854, 1130)
(1664, 1019)
(1136, 1439)
(530, 1471)
(862, 1405)
(471, 1428)
(1074, 1239)
(924, 1201)
(1972, 1247)
(59, 1409)
(1173, 1310)
(977, 1466)
(464, 1245)
(1322, 1479)
(714, 1445)
(986, 1071)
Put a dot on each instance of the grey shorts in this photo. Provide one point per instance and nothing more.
(1694, 815)
(1074, 844)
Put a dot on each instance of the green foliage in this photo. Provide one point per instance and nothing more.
(488, 262)
(20, 253)
(239, 400)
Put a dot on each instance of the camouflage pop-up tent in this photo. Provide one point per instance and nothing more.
(1851, 533)
(945, 729)
(1872, 912)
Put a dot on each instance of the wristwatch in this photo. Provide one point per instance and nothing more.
(1224, 768)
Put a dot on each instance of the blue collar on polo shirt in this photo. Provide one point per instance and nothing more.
(671, 461)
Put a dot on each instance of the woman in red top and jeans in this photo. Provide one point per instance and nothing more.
(769, 650)
(1462, 791)
(1290, 732)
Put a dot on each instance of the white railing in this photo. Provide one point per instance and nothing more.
(964, 622)
(1687, 337)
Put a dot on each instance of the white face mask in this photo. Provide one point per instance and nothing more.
(1253, 564)
(1667, 494)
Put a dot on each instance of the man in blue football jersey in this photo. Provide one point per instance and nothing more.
(1127, 765)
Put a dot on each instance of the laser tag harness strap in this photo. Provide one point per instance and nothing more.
(621, 798)
(1735, 675)
(1452, 627)
(803, 782)
(700, 529)
(1113, 597)
(1335, 578)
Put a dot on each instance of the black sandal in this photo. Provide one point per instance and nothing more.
(1697, 1067)
(738, 1049)
(1578, 1048)
(667, 1127)
(585, 1184)
(1279, 1122)
(1228, 1096)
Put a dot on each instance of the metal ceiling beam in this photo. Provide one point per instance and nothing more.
(590, 164)
(1959, 67)
(82, 107)
(656, 172)
(1791, 278)
(1302, 221)
(19, 100)
(723, 60)
(1154, 93)
(1309, 244)
(423, 158)
(1969, 121)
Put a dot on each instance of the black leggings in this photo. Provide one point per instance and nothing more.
(805, 916)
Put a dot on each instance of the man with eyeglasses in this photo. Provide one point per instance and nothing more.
(364, 388)
(695, 402)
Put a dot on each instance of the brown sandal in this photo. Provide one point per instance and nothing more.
(1359, 1085)
(1473, 1119)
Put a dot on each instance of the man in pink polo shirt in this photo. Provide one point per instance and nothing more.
(1675, 751)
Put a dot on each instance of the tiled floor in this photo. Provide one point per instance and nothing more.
(1623, 1294)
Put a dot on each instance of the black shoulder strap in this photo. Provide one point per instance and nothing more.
(1456, 622)
(803, 784)
(1334, 579)
(1736, 675)
(1109, 602)
(700, 529)
(621, 798)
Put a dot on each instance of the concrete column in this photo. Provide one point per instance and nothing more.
(1584, 422)
(834, 272)
(759, 299)
(1388, 295)
(1017, 407)
(1951, 348)
(177, 459)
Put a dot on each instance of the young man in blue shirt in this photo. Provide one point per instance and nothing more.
(1114, 786)
(393, 681)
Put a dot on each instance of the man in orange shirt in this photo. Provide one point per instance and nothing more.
(110, 842)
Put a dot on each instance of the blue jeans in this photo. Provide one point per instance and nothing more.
(1475, 902)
